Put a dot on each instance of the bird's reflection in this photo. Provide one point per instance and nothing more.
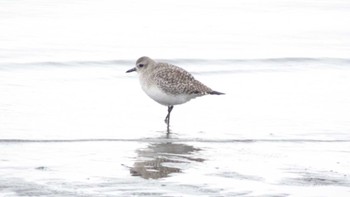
(159, 160)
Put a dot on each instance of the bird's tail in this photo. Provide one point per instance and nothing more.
(216, 93)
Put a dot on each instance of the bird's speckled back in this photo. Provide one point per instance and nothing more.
(175, 80)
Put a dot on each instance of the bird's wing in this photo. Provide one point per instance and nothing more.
(176, 80)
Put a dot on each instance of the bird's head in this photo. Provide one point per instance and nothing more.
(142, 64)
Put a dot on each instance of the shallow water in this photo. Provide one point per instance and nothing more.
(85, 130)
(73, 123)
(247, 168)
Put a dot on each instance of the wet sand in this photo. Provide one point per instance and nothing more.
(175, 167)
(281, 129)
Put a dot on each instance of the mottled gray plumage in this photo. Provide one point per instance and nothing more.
(175, 80)
(168, 84)
(171, 79)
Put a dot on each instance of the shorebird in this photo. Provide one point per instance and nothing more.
(168, 84)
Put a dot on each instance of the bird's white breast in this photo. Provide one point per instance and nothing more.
(163, 98)
(149, 86)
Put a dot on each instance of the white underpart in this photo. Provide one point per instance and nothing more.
(166, 99)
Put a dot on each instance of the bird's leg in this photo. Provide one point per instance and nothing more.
(167, 118)
(168, 115)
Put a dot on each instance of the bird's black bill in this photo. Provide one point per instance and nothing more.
(131, 70)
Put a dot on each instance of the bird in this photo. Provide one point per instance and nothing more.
(168, 84)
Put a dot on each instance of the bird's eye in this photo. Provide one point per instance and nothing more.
(141, 65)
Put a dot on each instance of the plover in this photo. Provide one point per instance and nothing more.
(168, 84)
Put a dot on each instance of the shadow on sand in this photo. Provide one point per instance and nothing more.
(160, 159)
